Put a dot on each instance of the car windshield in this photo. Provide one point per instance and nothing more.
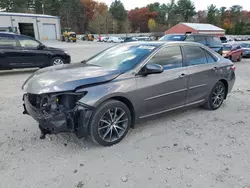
(122, 57)
(227, 48)
(172, 38)
(244, 45)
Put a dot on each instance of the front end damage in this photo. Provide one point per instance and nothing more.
(59, 112)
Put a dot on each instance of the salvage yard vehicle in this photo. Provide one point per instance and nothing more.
(246, 49)
(69, 36)
(210, 41)
(115, 39)
(233, 52)
(104, 96)
(20, 51)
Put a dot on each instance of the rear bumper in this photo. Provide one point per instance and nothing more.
(58, 122)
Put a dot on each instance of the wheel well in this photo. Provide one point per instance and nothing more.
(129, 105)
(226, 85)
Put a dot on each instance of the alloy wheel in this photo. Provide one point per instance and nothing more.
(218, 95)
(57, 62)
(113, 124)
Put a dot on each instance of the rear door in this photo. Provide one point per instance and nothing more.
(215, 44)
(165, 91)
(202, 71)
(10, 53)
(32, 55)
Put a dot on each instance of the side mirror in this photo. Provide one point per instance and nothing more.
(151, 69)
(41, 47)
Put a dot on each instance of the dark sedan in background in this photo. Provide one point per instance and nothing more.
(233, 52)
(246, 49)
(105, 95)
(20, 51)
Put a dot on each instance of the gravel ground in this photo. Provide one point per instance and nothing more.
(185, 148)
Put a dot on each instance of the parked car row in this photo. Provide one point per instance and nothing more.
(223, 45)
(115, 39)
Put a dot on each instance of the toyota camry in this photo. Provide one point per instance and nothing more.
(104, 96)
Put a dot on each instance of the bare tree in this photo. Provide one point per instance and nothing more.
(101, 23)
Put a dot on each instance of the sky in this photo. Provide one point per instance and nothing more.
(199, 4)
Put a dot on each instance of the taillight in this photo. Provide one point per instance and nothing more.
(233, 68)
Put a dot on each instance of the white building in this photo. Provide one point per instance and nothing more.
(41, 27)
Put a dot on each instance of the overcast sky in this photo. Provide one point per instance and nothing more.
(199, 4)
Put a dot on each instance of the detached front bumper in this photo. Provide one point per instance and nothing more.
(75, 121)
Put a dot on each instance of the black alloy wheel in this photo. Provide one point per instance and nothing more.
(216, 96)
(110, 123)
(113, 124)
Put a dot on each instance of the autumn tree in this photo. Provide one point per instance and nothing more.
(161, 9)
(151, 24)
(139, 18)
(102, 20)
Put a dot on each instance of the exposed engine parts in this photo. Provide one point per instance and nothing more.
(55, 112)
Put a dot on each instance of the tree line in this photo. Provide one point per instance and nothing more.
(91, 16)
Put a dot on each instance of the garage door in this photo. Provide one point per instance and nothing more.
(49, 31)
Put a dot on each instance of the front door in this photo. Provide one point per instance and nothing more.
(10, 53)
(202, 71)
(162, 92)
(32, 55)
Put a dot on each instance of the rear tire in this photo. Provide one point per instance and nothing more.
(216, 97)
(110, 123)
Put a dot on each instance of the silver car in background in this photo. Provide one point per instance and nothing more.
(104, 96)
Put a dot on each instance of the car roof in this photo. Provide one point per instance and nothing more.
(165, 43)
(192, 34)
(8, 33)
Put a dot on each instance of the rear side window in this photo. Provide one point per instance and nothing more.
(169, 57)
(201, 40)
(194, 55)
(214, 41)
(190, 38)
(210, 57)
(7, 41)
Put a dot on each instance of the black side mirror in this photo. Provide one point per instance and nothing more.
(41, 47)
(152, 69)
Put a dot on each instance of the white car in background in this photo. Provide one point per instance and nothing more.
(115, 39)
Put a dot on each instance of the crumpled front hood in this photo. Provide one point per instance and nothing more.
(66, 78)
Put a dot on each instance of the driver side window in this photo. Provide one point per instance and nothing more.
(169, 57)
(26, 42)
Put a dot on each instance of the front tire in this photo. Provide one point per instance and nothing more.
(57, 61)
(110, 123)
(216, 97)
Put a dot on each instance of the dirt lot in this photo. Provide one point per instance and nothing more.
(187, 148)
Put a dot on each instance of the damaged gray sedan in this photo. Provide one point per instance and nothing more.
(102, 97)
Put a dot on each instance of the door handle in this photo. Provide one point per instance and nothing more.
(182, 75)
(24, 50)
